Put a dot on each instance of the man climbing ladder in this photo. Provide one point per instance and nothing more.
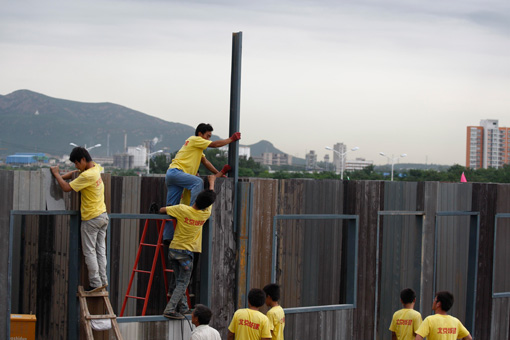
(182, 172)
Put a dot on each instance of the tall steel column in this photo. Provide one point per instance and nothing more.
(235, 104)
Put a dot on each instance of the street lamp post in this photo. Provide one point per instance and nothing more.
(392, 159)
(148, 159)
(342, 158)
(89, 148)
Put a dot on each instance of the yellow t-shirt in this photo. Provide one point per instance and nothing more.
(249, 324)
(189, 156)
(276, 317)
(405, 322)
(188, 232)
(442, 327)
(91, 186)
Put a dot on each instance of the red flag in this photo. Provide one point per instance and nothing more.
(463, 178)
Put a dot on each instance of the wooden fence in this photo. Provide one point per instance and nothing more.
(396, 246)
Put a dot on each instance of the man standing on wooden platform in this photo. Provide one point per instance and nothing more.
(182, 172)
(94, 219)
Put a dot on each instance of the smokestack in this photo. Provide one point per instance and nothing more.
(125, 142)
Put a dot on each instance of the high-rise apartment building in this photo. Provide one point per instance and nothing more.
(487, 145)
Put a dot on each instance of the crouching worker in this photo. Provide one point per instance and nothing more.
(94, 219)
(187, 240)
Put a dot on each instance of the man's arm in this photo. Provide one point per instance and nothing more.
(231, 336)
(223, 142)
(208, 165)
(63, 184)
(418, 337)
(393, 336)
(211, 179)
(468, 337)
(69, 174)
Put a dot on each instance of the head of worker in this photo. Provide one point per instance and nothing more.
(204, 130)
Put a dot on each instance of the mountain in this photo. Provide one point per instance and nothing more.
(33, 122)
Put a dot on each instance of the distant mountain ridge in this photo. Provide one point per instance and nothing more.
(33, 122)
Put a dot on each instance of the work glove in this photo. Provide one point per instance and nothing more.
(226, 168)
(236, 136)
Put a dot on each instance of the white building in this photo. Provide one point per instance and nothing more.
(244, 151)
(139, 155)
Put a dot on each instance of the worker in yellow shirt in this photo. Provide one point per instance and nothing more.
(94, 219)
(406, 321)
(182, 172)
(442, 326)
(275, 314)
(187, 240)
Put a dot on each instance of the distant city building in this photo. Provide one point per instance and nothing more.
(244, 151)
(26, 158)
(102, 160)
(487, 145)
(311, 160)
(357, 164)
(340, 149)
(123, 161)
(269, 158)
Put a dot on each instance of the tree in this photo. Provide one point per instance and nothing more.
(159, 164)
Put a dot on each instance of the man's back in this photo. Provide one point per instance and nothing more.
(442, 327)
(405, 323)
(249, 324)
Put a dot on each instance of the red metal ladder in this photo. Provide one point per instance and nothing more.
(160, 224)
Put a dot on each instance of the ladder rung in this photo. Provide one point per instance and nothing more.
(135, 297)
(95, 317)
(142, 271)
(148, 244)
(168, 270)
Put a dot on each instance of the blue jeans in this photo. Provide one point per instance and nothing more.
(176, 180)
(181, 262)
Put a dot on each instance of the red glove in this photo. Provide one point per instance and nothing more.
(236, 136)
(226, 168)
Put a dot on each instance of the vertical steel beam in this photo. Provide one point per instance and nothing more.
(73, 326)
(235, 104)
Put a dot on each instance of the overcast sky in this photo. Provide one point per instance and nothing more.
(392, 76)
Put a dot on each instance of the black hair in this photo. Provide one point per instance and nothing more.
(407, 295)
(205, 199)
(78, 153)
(272, 290)
(203, 314)
(203, 128)
(256, 297)
(446, 299)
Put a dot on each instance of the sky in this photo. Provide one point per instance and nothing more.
(388, 76)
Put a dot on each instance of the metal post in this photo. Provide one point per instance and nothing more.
(235, 104)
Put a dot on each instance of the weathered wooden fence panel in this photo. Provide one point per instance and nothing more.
(45, 242)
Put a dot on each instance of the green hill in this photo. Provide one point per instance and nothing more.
(33, 122)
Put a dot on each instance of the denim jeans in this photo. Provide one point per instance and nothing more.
(181, 262)
(93, 235)
(176, 180)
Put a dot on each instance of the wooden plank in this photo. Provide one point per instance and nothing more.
(484, 200)
(223, 257)
(500, 321)
(6, 197)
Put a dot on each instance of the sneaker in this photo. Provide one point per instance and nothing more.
(174, 315)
